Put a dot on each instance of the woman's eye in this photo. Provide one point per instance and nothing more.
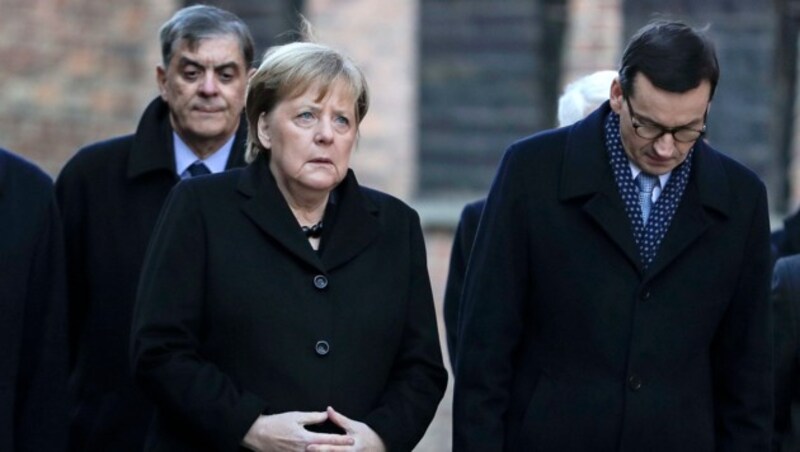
(342, 122)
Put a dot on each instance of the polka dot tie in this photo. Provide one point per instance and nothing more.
(650, 227)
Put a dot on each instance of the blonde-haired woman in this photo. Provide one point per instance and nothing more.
(283, 306)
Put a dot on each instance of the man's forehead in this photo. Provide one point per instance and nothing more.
(642, 84)
(670, 108)
(221, 47)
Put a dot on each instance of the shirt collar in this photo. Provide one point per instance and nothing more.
(184, 157)
(662, 179)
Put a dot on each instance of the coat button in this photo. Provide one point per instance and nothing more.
(635, 382)
(320, 282)
(322, 348)
(645, 295)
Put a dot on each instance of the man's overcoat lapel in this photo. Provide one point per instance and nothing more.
(705, 201)
(586, 173)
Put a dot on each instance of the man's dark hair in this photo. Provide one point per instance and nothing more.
(672, 55)
(198, 22)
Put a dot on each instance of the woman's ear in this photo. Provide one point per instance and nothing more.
(263, 131)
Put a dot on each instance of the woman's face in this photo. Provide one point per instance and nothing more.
(310, 138)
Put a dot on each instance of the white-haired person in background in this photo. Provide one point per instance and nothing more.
(580, 98)
(583, 96)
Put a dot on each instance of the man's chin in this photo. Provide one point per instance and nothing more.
(657, 168)
(209, 131)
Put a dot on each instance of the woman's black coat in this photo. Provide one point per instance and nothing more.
(237, 315)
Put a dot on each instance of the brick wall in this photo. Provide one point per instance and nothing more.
(74, 72)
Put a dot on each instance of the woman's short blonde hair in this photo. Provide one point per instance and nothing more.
(288, 71)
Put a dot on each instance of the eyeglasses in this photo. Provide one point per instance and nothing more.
(654, 132)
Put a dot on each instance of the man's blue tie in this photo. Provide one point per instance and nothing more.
(646, 185)
(198, 168)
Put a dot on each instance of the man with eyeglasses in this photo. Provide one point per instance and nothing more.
(617, 293)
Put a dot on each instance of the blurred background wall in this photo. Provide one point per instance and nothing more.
(453, 83)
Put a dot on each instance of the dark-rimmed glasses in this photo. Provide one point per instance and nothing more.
(654, 132)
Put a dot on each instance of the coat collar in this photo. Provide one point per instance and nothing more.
(153, 151)
(5, 157)
(586, 173)
(354, 227)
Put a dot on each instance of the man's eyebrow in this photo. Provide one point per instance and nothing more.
(185, 61)
(229, 64)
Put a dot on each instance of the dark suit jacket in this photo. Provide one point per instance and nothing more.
(237, 315)
(33, 368)
(567, 344)
(110, 194)
(786, 315)
(459, 258)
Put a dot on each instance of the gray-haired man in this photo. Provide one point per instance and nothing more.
(111, 193)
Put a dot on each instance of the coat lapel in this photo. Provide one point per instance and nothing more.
(236, 157)
(707, 191)
(153, 149)
(587, 173)
(609, 213)
(265, 206)
(587, 177)
(356, 224)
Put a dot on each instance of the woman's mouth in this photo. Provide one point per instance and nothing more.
(322, 161)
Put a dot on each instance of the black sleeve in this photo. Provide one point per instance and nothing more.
(418, 378)
(785, 298)
(459, 258)
(491, 320)
(71, 198)
(167, 331)
(741, 353)
(42, 382)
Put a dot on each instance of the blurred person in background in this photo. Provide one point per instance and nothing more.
(786, 315)
(110, 194)
(786, 241)
(579, 98)
(33, 367)
(298, 314)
